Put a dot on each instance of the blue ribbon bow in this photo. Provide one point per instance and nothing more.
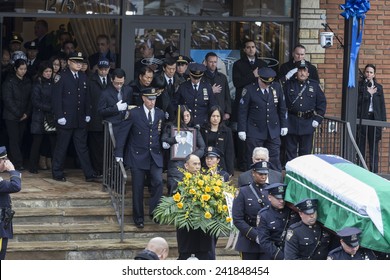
(355, 9)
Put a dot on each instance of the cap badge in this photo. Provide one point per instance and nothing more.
(209, 149)
(309, 203)
(264, 164)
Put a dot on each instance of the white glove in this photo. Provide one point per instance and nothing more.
(242, 135)
(62, 121)
(314, 124)
(177, 138)
(283, 131)
(87, 118)
(166, 115)
(291, 73)
(118, 159)
(121, 106)
(257, 240)
(165, 145)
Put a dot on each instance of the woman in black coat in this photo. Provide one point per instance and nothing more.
(168, 140)
(42, 111)
(216, 134)
(371, 106)
(17, 108)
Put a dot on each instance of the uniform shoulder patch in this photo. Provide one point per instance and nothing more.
(290, 234)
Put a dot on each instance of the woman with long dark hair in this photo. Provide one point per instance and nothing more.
(371, 106)
(43, 121)
(17, 108)
(216, 134)
(169, 139)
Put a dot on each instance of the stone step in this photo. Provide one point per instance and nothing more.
(72, 231)
(96, 249)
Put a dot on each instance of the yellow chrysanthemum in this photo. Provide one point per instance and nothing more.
(207, 215)
(219, 183)
(206, 197)
(192, 191)
(225, 208)
(217, 189)
(228, 219)
(207, 189)
(179, 205)
(176, 197)
(187, 175)
(200, 182)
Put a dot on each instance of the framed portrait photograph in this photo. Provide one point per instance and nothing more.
(186, 144)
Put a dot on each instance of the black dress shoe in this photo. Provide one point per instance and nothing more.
(33, 171)
(60, 178)
(139, 225)
(94, 178)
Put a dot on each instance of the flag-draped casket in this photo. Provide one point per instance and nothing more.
(348, 196)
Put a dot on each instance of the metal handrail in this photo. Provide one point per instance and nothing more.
(114, 176)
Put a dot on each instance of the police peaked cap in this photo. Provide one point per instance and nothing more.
(307, 206)
(260, 167)
(3, 152)
(277, 190)
(267, 75)
(350, 235)
(196, 69)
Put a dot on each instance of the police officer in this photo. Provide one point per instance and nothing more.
(262, 116)
(350, 248)
(273, 222)
(144, 154)
(182, 68)
(212, 158)
(246, 205)
(306, 105)
(259, 154)
(32, 61)
(113, 106)
(196, 94)
(97, 83)
(72, 110)
(307, 240)
(6, 213)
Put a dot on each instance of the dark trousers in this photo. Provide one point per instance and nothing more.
(15, 131)
(96, 148)
(240, 151)
(38, 139)
(64, 136)
(253, 256)
(373, 135)
(273, 146)
(298, 145)
(4, 245)
(155, 189)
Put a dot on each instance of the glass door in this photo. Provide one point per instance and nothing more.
(150, 44)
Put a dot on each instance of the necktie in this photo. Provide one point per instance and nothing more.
(196, 88)
(266, 93)
(150, 117)
(252, 62)
(119, 95)
(170, 82)
(75, 76)
(104, 82)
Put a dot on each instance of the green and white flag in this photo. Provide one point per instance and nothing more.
(349, 196)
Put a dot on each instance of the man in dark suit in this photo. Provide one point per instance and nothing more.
(196, 94)
(144, 154)
(72, 110)
(103, 45)
(43, 41)
(262, 116)
(219, 84)
(259, 154)
(97, 83)
(114, 104)
(245, 72)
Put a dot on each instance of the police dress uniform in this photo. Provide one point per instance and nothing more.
(144, 156)
(14, 185)
(306, 242)
(262, 115)
(305, 102)
(272, 224)
(350, 236)
(70, 101)
(246, 205)
(246, 178)
(200, 100)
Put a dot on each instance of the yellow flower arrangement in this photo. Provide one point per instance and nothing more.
(200, 202)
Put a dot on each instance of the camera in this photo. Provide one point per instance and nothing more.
(326, 39)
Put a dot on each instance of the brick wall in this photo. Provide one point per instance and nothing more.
(375, 47)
